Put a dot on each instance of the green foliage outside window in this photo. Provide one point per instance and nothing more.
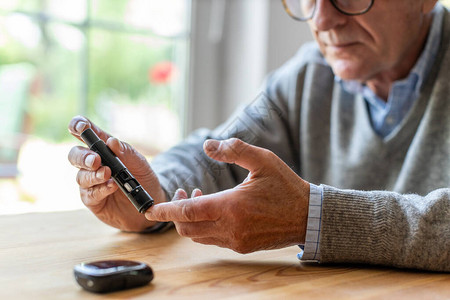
(86, 54)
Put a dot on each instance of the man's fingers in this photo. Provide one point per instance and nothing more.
(238, 152)
(84, 158)
(203, 208)
(201, 229)
(211, 241)
(87, 179)
(126, 153)
(196, 193)
(79, 123)
(180, 194)
(95, 197)
(179, 211)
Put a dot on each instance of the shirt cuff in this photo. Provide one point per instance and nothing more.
(311, 250)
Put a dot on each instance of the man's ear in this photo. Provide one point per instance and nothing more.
(428, 5)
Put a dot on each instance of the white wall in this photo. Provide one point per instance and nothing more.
(285, 35)
(235, 43)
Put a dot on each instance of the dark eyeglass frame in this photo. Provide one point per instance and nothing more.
(286, 8)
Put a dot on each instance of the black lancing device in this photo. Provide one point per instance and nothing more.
(120, 174)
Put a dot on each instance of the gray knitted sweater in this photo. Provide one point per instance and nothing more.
(385, 201)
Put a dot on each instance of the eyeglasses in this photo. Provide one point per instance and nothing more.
(303, 10)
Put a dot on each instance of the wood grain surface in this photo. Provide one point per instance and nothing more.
(38, 252)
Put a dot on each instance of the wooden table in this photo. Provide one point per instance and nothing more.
(38, 252)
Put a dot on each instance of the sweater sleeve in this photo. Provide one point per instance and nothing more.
(386, 228)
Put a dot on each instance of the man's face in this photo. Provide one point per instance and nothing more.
(382, 40)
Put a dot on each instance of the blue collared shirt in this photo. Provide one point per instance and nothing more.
(385, 118)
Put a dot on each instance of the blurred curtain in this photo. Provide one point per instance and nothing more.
(234, 44)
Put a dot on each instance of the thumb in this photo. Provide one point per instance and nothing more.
(238, 152)
(132, 159)
(116, 146)
(138, 165)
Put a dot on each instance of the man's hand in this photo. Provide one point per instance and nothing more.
(266, 211)
(99, 192)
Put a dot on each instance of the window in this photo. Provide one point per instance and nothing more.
(122, 63)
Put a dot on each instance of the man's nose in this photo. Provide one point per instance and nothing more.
(326, 16)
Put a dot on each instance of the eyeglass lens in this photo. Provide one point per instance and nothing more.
(304, 9)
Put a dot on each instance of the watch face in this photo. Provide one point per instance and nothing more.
(108, 267)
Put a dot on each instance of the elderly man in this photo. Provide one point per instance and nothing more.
(346, 152)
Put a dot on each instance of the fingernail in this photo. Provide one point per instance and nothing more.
(195, 192)
(80, 126)
(110, 184)
(89, 160)
(179, 194)
(149, 214)
(114, 140)
(100, 173)
(211, 145)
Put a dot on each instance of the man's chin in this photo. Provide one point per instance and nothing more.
(350, 71)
